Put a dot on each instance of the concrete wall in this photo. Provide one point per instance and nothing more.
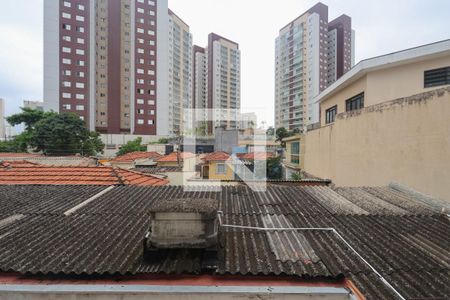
(405, 140)
(228, 175)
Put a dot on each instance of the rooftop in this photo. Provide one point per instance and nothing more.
(255, 155)
(24, 174)
(172, 157)
(216, 156)
(405, 240)
(132, 156)
(390, 60)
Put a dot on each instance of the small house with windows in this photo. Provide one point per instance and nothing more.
(384, 78)
(293, 155)
(217, 166)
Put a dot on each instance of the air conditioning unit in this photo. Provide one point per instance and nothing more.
(189, 223)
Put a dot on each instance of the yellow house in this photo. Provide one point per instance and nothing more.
(217, 166)
(293, 155)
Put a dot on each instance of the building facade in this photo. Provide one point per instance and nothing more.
(107, 61)
(217, 82)
(180, 73)
(2, 119)
(304, 50)
(38, 105)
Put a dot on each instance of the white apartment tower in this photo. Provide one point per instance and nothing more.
(310, 54)
(180, 73)
(217, 81)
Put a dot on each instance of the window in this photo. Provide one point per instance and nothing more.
(66, 84)
(67, 4)
(79, 18)
(66, 50)
(295, 152)
(151, 102)
(79, 85)
(437, 77)
(140, 101)
(140, 111)
(67, 72)
(80, 7)
(80, 29)
(220, 169)
(151, 112)
(140, 10)
(80, 74)
(150, 122)
(330, 114)
(66, 16)
(140, 121)
(80, 62)
(66, 26)
(66, 38)
(66, 61)
(80, 41)
(80, 107)
(66, 95)
(354, 103)
(80, 96)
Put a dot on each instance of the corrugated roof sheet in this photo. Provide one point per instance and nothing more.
(410, 250)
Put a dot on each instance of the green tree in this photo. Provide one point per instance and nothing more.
(64, 134)
(282, 133)
(270, 131)
(274, 169)
(29, 117)
(132, 146)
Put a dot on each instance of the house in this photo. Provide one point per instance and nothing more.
(293, 161)
(26, 173)
(387, 120)
(70, 160)
(135, 159)
(284, 243)
(217, 166)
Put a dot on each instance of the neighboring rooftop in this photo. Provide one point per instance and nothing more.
(72, 160)
(23, 173)
(216, 156)
(158, 169)
(405, 240)
(416, 54)
(132, 156)
(255, 155)
(173, 157)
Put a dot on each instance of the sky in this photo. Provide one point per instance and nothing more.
(381, 27)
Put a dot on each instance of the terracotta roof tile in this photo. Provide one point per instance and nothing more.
(255, 155)
(132, 156)
(172, 157)
(217, 156)
(67, 175)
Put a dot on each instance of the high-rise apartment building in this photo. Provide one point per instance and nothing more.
(180, 73)
(2, 119)
(310, 54)
(217, 81)
(107, 61)
(38, 105)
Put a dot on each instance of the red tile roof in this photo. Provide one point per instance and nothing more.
(217, 156)
(17, 163)
(53, 175)
(255, 155)
(4, 155)
(172, 157)
(132, 156)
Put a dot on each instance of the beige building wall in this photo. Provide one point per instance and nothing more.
(405, 140)
(385, 84)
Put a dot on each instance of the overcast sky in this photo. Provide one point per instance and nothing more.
(381, 27)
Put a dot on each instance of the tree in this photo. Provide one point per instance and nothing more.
(282, 133)
(29, 117)
(132, 146)
(274, 169)
(64, 134)
(270, 131)
(297, 176)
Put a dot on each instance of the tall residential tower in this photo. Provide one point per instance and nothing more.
(107, 61)
(310, 54)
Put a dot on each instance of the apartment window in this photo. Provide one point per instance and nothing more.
(354, 103)
(140, 81)
(66, 61)
(295, 152)
(140, 51)
(151, 102)
(151, 32)
(151, 72)
(80, 41)
(67, 4)
(80, 29)
(66, 95)
(140, 121)
(330, 114)
(151, 112)
(66, 26)
(66, 16)
(140, 101)
(151, 92)
(80, 63)
(152, 3)
(220, 169)
(79, 107)
(66, 84)
(151, 12)
(80, 74)
(80, 6)
(79, 85)
(66, 50)
(437, 77)
(140, 10)
(140, 91)
(79, 18)
(140, 1)
(140, 111)
(79, 97)
(67, 72)
(152, 23)
(140, 30)
(66, 106)
(66, 38)
(80, 52)
(150, 122)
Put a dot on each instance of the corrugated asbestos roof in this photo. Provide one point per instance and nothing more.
(403, 239)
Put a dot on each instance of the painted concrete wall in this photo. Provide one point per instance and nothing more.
(229, 175)
(405, 140)
(385, 85)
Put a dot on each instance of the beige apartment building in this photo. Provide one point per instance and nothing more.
(387, 120)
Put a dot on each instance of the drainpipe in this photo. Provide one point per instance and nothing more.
(330, 229)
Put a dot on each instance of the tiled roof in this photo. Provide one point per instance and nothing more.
(16, 163)
(406, 241)
(6, 155)
(158, 169)
(217, 156)
(172, 157)
(132, 156)
(255, 155)
(44, 175)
